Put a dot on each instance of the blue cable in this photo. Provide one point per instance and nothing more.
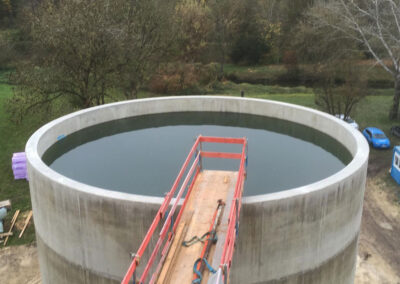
(198, 273)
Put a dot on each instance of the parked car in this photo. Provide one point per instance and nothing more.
(376, 137)
(349, 120)
(395, 130)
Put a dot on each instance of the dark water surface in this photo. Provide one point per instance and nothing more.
(143, 154)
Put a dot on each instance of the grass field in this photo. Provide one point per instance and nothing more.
(296, 95)
(377, 77)
(371, 112)
(12, 139)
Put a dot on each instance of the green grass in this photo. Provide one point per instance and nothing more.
(377, 77)
(254, 74)
(373, 111)
(12, 139)
(295, 95)
(271, 70)
(252, 90)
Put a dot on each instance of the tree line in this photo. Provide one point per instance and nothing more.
(84, 52)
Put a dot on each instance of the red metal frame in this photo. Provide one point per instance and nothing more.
(227, 253)
(196, 151)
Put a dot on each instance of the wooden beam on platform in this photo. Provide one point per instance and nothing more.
(209, 187)
(180, 232)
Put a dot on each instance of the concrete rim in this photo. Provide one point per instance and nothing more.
(359, 157)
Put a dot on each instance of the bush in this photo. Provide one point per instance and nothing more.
(248, 49)
(249, 42)
(180, 78)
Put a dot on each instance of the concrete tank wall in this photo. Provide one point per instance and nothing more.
(303, 235)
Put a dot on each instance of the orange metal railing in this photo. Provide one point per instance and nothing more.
(169, 226)
(233, 226)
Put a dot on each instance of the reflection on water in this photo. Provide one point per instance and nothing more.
(143, 154)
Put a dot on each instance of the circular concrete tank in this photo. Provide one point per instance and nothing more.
(302, 235)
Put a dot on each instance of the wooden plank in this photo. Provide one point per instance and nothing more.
(2, 235)
(5, 203)
(209, 187)
(26, 224)
(221, 155)
(223, 228)
(176, 245)
(172, 255)
(14, 219)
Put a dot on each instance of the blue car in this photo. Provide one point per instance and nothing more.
(376, 137)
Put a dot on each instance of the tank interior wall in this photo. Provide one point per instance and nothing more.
(305, 235)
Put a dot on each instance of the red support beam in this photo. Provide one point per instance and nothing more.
(221, 155)
(160, 214)
(225, 140)
(167, 222)
(227, 253)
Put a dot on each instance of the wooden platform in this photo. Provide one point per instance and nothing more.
(209, 187)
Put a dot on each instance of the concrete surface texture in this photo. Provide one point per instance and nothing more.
(303, 235)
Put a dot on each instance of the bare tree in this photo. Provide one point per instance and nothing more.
(341, 87)
(374, 24)
(225, 15)
(82, 51)
(147, 39)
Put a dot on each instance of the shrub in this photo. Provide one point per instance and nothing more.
(179, 78)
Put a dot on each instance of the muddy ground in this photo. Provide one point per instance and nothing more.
(379, 247)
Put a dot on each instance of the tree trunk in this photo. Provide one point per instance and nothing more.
(87, 103)
(221, 70)
(131, 92)
(395, 106)
(134, 94)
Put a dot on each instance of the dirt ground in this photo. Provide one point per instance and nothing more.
(19, 265)
(379, 247)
